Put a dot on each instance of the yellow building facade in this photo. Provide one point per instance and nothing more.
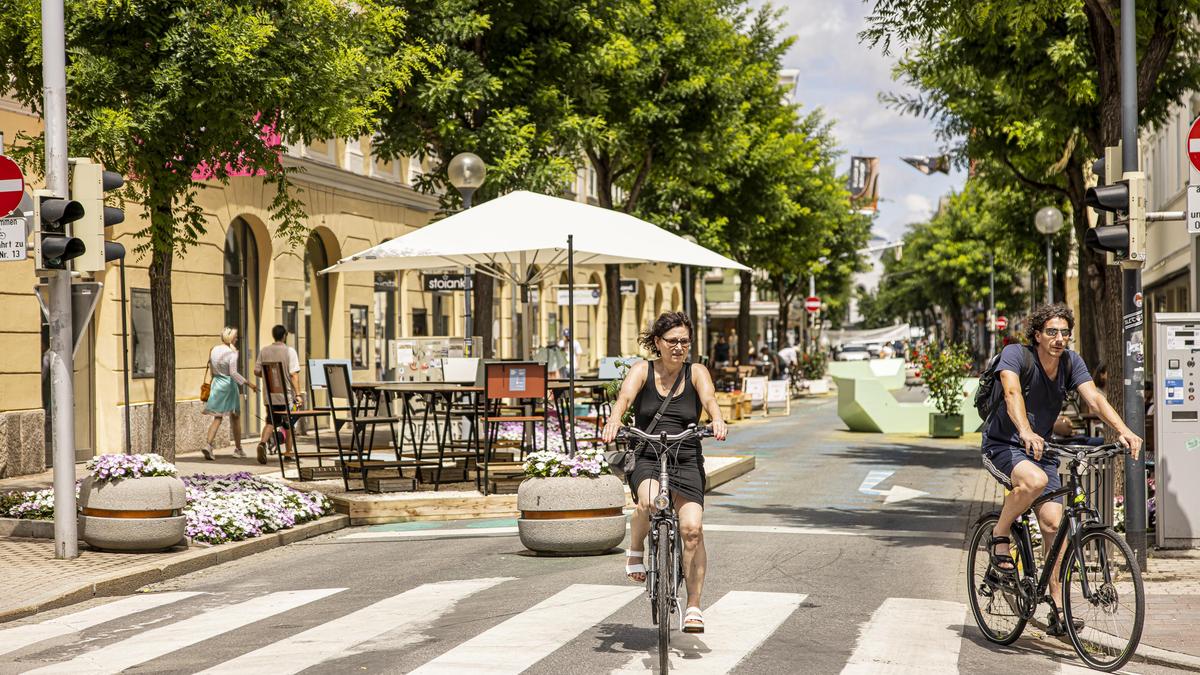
(240, 275)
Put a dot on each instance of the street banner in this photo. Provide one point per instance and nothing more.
(864, 183)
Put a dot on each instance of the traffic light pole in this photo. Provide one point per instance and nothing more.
(1134, 341)
(59, 358)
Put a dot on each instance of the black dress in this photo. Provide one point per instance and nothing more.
(687, 474)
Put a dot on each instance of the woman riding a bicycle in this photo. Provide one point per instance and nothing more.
(647, 385)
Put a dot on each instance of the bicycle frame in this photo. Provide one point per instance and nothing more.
(1071, 525)
(658, 516)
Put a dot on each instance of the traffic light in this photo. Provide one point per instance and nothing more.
(1125, 198)
(89, 182)
(53, 244)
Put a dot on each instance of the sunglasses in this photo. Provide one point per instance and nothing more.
(677, 342)
(1055, 332)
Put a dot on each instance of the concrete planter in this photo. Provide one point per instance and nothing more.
(132, 514)
(945, 426)
(571, 516)
(820, 386)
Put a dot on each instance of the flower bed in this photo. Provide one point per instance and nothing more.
(219, 508)
(116, 467)
(511, 431)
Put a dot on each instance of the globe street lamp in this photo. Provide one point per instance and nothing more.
(466, 173)
(1049, 221)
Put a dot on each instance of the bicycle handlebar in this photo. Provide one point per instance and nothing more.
(1086, 452)
(686, 434)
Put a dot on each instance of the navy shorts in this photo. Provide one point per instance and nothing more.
(1002, 459)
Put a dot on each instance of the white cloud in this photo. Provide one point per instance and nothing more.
(919, 206)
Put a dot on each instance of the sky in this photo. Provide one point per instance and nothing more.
(844, 78)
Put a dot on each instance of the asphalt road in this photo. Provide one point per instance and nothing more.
(811, 570)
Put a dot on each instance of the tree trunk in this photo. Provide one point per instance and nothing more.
(1086, 324)
(743, 322)
(161, 307)
(612, 293)
(482, 294)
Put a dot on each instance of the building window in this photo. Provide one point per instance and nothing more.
(354, 161)
(358, 336)
(143, 332)
(415, 169)
(420, 326)
(291, 313)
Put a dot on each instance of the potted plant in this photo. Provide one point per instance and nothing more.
(813, 365)
(131, 503)
(944, 369)
(570, 505)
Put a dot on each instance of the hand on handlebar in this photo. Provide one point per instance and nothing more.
(1034, 444)
(609, 434)
(1132, 441)
(719, 430)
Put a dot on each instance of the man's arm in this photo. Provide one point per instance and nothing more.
(1014, 399)
(1100, 405)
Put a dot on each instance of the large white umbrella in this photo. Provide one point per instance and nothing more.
(496, 234)
(507, 236)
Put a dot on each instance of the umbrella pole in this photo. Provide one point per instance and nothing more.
(570, 341)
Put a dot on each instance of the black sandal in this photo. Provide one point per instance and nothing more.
(997, 561)
(1056, 623)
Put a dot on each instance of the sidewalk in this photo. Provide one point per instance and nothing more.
(36, 581)
(1172, 586)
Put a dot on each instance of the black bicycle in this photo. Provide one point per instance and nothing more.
(1104, 603)
(664, 568)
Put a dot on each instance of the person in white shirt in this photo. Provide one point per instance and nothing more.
(278, 352)
(572, 359)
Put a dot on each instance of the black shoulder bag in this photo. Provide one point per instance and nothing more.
(622, 460)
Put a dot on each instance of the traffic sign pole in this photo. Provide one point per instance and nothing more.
(59, 355)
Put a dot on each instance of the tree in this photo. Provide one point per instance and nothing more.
(655, 104)
(168, 91)
(1033, 86)
(493, 93)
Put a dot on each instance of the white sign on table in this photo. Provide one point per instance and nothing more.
(778, 396)
(12, 239)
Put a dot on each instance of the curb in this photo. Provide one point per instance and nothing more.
(1145, 653)
(721, 476)
(129, 580)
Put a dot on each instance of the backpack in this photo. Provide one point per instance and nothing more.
(986, 398)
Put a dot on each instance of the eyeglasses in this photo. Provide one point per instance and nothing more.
(1055, 332)
(678, 342)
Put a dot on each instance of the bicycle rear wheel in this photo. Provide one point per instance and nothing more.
(666, 570)
(1113, 615)
(994, 601)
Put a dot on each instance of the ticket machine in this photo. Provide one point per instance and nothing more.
(1177, 429)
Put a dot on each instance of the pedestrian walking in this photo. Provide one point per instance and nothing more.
(284, 354)
(573, 349)
(224, 397)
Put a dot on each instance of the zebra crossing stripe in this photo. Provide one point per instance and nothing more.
(910, 636)
(403, 617)
(13, 639)
(160, 641)
(734, 626)
(435, 532)
(530, 636)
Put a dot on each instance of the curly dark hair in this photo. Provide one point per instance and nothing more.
(665, 322)
(1042, 314)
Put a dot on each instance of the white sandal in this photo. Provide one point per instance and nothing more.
(639, 568)
(693, 620)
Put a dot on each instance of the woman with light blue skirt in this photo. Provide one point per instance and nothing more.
(225, 394)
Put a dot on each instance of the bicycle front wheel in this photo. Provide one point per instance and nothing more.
(994, 600)
(664, 589)
(1114, 607)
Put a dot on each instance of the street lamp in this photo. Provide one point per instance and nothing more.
(1049, 221)
(467, 173)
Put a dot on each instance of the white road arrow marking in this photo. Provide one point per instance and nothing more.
(897, 493)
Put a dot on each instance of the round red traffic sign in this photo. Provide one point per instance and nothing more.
(1001, 323)
(12, 185)
(1193, 144)
(812, 303)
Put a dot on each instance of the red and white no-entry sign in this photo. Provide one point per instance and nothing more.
(1193, 144)
(812, 303)
(12, 185)
(1001, 323)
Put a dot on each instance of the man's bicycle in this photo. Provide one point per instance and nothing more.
(664, 568)
(1104, 604)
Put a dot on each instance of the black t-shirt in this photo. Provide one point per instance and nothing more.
(1044, 401)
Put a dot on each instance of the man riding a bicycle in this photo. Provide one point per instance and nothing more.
(670, 389)
(1034, 380)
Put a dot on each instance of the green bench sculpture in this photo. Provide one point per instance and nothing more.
(866, 404)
